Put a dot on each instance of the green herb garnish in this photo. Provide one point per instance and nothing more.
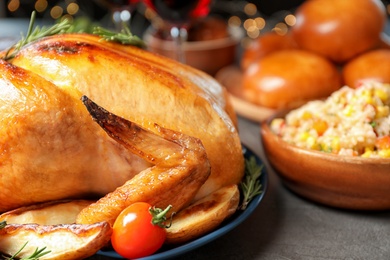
(66, 26)
(34, 256)
(39, 252)
(124, 36)
(250, 185)
(35, 34)
(3, 224)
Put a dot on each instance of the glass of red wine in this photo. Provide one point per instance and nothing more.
(179, 14)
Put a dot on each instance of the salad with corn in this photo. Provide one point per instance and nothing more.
(353, 122)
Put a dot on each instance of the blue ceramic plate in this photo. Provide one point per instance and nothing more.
(231, 223)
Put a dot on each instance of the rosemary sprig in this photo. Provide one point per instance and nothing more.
(36, 33)
(34, 256)
(124, 36)
(66, 26)
(3, 224)
(250, 185)
(39, 252)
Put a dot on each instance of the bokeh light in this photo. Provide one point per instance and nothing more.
(290, 20)
(13, 5)
(72, 8)
(281, 28)
(234, 21)
(56, 12)
(41, 5)
(250, 9)
(56, 9)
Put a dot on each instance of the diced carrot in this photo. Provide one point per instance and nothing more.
(383, 142)
(320, 126)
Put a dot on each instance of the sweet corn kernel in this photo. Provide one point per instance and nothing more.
(366, 92)
(311, 142)
(368, 151)
(306, 115)
(385, 153)
(348, 110)
(368, 99)
(304, 136)
(325, 148)
(335, 144)
(367, 154)
(382, 111)
(381, 94)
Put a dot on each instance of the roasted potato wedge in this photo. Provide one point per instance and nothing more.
(204, 215)
(68, 241)
(48, 213)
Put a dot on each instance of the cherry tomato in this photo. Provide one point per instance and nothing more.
(134, 235)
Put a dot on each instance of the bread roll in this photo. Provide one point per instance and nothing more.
(264, 45)
(373, 65)
(288, 78)
(339, 29)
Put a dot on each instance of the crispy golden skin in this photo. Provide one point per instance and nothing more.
(180, 168)
(50, 147)
(175, 123)
(146, 89)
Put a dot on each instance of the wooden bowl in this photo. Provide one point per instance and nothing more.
(209, 55)
(339, 181)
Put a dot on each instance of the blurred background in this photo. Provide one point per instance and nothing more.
(252, 17)
(100, 11)
(97, 9)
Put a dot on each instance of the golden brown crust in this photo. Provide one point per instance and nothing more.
(288, 78)
(204, 215)
(133, 83)
(373, 65)
(68, 241)
(322, 29)
(180, 168)
(43, 129)
(47, 213)
(264, 45)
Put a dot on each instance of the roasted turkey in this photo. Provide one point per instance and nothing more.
(52, 149)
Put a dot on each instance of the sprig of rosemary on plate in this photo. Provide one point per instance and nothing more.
(38, 252)
(36, 33)
(250, 185)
